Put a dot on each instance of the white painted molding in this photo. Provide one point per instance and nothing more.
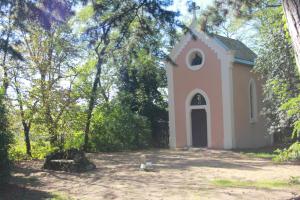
(188, 110)
(184, 40)
(246, 62)
(232, 107)
(227, 99)
(171, 105)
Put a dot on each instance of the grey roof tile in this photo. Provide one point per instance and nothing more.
(242, 52)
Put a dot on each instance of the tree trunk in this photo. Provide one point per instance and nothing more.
(96, 83)
(292, 12)
(26, 126)
(27, 139)
(5, 69)
(7, 40)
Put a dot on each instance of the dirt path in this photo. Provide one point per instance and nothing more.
(179, 175)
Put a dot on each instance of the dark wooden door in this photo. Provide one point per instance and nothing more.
(199, 128)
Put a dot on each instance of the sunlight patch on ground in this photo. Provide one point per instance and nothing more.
(263, 184)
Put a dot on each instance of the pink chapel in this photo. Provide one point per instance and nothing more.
(215, 98)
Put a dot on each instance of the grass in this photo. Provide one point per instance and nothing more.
(59, 196)
(265, 155)
(265, 184)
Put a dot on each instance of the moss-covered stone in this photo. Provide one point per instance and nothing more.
(72, 160)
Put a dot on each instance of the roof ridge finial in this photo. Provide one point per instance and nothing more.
(193, 8)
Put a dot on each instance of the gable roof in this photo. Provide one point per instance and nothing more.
(242, 53)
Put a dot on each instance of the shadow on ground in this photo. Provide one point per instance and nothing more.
(19, 192)
(178, 175)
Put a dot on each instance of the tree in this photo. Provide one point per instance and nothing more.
(246, 8)
(141, 78)
(5, 140)
(292, 13)
(276, 65)
(51, 58)
(49, 48)
(26, 101)
(8, 22)
(111, 26)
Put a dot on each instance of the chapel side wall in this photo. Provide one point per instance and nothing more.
(247, 134)
(208, 79)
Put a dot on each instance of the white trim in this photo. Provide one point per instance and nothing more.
(233, 136)
(227, 97)
(254, 99)
(180, 46)
(242, 61)
(188, 110)
(171, 104)
(187, 60)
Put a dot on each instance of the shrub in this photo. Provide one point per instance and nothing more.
(290, 154)
(292, 108)
(39, 149)
(116, 128)
(5, 140)
(75, 140)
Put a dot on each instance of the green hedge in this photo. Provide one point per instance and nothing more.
(116, 127)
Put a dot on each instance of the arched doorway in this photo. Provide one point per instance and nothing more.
(198, 120)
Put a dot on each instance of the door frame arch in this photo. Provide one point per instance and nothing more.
(188, 110)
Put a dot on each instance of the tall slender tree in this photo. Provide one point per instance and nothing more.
(5, 139)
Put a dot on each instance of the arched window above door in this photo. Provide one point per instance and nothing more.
(198, 100)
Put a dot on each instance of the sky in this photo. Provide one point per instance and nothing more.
(243, 34)
(180, 5)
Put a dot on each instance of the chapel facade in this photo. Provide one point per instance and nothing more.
(215, 98)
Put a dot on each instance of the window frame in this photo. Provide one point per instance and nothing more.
(252, 101)
(195, 67)
(202, 100)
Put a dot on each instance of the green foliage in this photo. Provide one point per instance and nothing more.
(292, 107)
(5, 140)
(141, 84)
(115, 127)
(86, 13)
(74, 140)
(290, 154)
(276, 65)
(18, 152)
(40, 149)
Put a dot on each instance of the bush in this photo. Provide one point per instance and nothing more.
(39, 150)
(292, 108)
(5, 140)
(116, 128)
(75, 140)
(290, 154)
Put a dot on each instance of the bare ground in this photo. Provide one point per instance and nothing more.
(178, 175)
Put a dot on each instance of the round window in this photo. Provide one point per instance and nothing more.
(195, 59)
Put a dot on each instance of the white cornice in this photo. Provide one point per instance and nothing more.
(210, 42)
